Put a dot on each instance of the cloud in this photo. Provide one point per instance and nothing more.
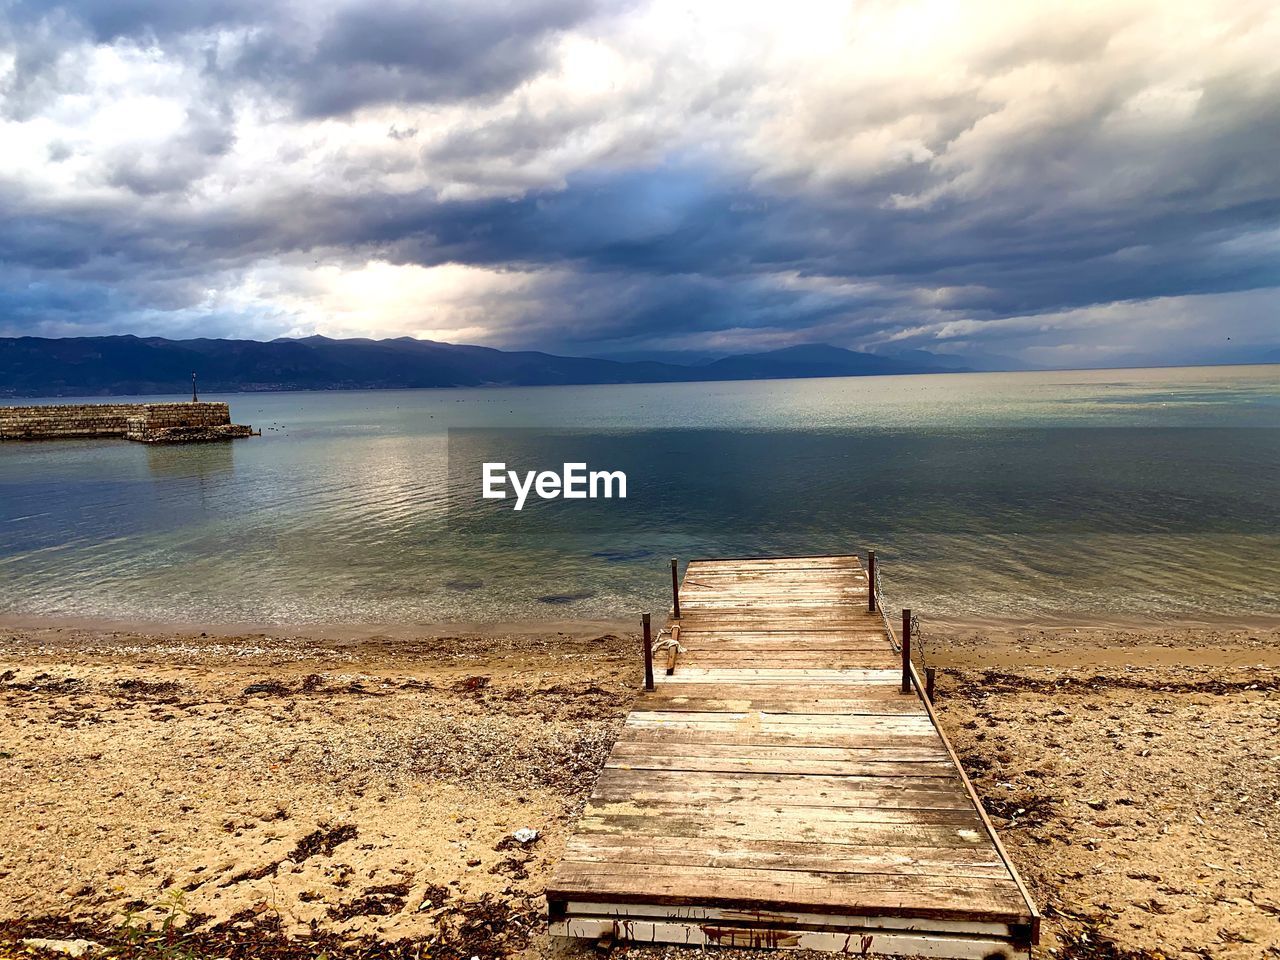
(400, 53)
(650, 175)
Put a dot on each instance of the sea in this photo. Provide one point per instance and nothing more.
(1040, 496)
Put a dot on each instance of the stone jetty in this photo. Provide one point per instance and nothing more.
(189, 422)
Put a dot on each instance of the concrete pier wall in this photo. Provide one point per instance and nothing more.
(136, 421)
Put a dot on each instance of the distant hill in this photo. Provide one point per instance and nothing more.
(128, 365)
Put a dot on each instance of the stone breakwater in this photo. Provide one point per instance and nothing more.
(145, 422)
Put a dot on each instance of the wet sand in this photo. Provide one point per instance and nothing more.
(355, 791)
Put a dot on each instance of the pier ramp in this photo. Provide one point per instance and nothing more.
(779, 789)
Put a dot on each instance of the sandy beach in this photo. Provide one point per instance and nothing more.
(227, 792)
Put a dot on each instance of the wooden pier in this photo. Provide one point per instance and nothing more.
(778, 789)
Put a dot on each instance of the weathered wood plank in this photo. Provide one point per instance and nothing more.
(807, 675)
(780, 767)
(882, 805)
(776, 789)
(785, 855)
(879, 752)
(797, 813)
(833, 783)
(870, 705)
(864, 693)
(764, 659)
(777, 738)
(895, 895)
(786, 826)
(817, 722)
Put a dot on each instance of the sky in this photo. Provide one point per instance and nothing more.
(1075, 184)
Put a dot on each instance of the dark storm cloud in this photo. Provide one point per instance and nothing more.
(674, 251)
(326, 59)
(673, 222)
(142, 20)
(372, 54)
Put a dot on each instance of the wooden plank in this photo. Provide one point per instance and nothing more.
(783, 639)
(828, 614)
(878, 752)
(812, 582)
(798, 767)
(855, 660)
(799, 815)
(707, 595)
(814, 644)
(774, 587)
(892, 895)
(815, 675)
(773, 737)
(881, 805)
(798, 562)
(783, 690)
(815, 722)
(833, 783)
(785, 855)
(778, 577)
(831, 596)
(869, 705)
(743, 788)
(786, 825)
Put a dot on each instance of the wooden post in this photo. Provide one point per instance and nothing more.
(871, 581)
(675, 588)
(930, 676)
(906, 651)
(648, 652)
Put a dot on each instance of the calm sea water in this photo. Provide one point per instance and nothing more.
(1104, 493)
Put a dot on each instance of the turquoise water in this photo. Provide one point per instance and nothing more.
(1121, 493)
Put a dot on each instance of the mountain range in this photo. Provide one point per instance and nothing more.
(128, 365)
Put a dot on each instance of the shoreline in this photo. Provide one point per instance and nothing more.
(355, 790)
(1036, 371)
(387, 648)
(1003, 628)
(316, 631)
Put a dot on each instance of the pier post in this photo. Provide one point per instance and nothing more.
(906, 651)
(648, 652)
(930, 678)
(675, 588)
(871, 581)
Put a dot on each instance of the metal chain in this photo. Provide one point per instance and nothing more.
(880, 605)
(917, 634)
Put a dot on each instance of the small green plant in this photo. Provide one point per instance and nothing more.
(168, 941)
